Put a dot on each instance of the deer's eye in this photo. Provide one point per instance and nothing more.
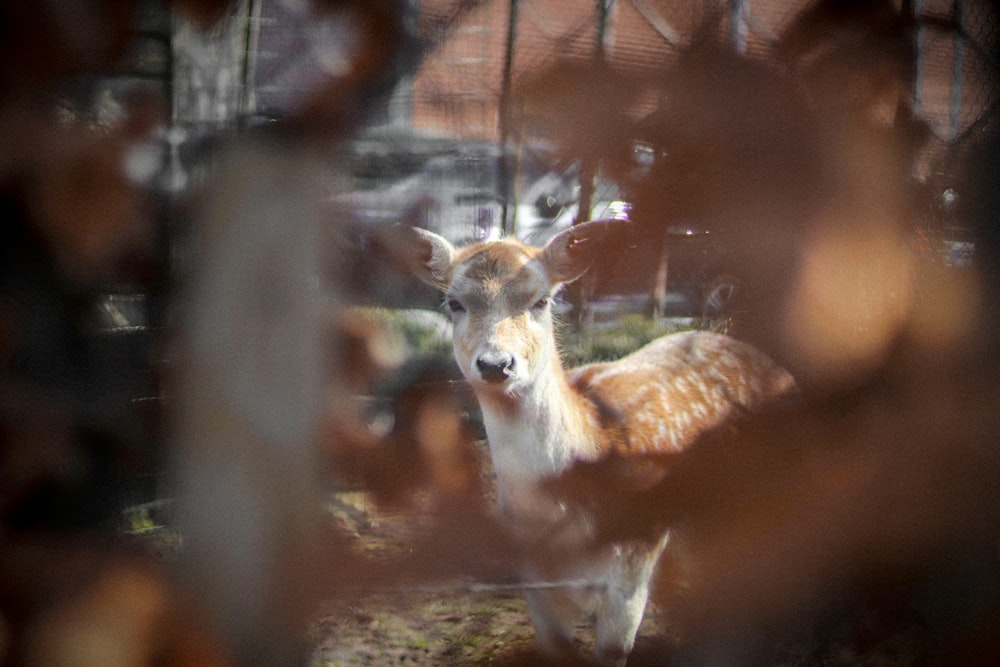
(454, 306)
(541, 303)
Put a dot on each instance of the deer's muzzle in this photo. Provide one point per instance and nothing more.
(495, 367)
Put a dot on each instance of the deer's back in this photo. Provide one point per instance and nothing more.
(662, 396)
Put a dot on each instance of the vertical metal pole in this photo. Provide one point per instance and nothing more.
(248, 98)
(958, 68)
(505, 171)
(581, 296)
(911, 10)
(738, 12)
(604, 8)
(588, 166)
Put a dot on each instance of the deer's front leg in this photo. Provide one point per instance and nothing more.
(618, 622)
(553, 615)
(624, 600)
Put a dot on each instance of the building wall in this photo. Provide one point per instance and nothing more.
(456, 91)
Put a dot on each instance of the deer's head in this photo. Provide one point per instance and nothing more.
(500, 295)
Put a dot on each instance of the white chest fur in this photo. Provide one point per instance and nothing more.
(526, 447)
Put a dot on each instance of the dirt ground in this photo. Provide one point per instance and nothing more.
(468, 624)
(469, 629)
(445, 626)
(473, 628)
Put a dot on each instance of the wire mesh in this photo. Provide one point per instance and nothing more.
(201, 321)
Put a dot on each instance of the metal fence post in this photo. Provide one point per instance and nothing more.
(739, 10)
(506, 171)
(957, 72)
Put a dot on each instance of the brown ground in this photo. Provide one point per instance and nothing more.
(456, 626)
(473, 628)
(441, 627)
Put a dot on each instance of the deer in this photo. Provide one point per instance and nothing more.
(541, 419)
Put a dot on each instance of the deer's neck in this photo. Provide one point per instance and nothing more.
(536, 434)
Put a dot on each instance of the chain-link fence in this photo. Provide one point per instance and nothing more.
(472, 63)
(200, 308)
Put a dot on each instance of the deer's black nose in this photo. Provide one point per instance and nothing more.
(495, 368)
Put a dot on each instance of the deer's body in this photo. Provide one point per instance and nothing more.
(540, 419)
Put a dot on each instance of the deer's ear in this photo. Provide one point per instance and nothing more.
(424, 254)
(571, 252)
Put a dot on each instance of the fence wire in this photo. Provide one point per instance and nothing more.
(198, 322)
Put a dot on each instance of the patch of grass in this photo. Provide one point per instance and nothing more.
(427, 334)
(424, 333)
(611, 341)
(140, 520)
(147, 524)
(420, 644)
